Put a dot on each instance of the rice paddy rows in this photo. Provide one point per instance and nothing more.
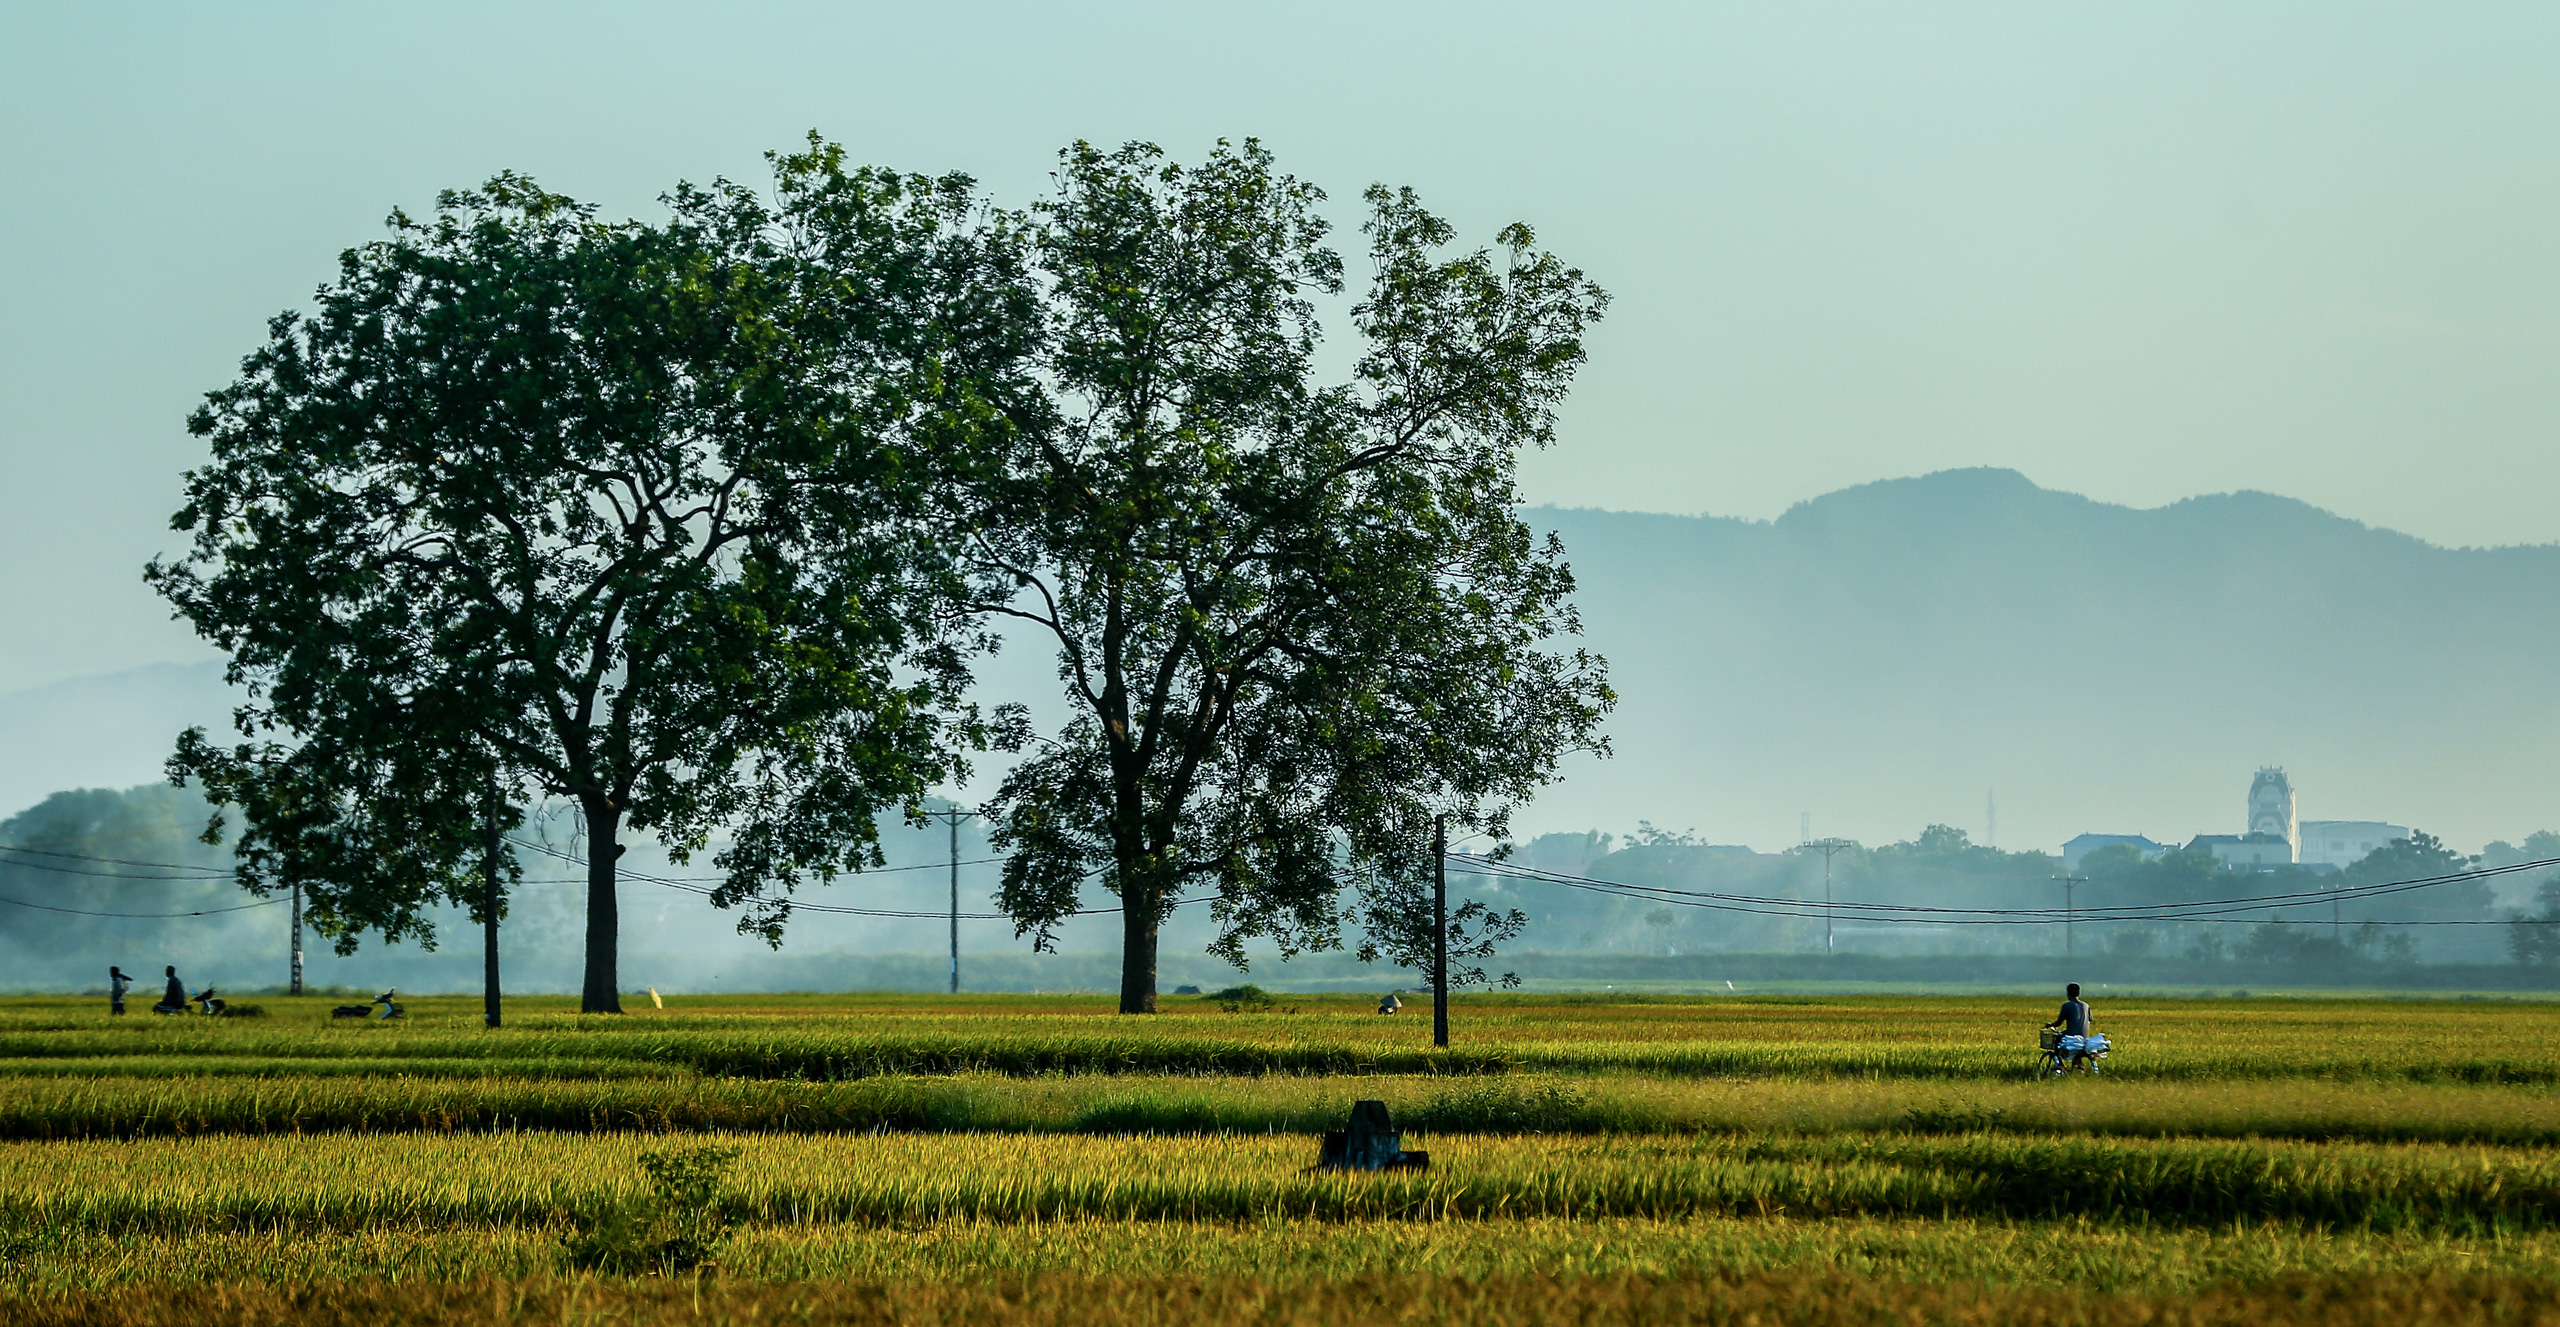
(351, 1182)
(1817, 1160)
(1970, 1039)
(2107, 1259)
(165, 1107)
(1804, 1297)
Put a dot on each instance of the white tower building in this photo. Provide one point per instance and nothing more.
(2271, 808)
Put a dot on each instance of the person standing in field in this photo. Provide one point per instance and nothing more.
(117, 981)
(174, 999)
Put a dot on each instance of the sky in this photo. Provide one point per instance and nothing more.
(2136, 252)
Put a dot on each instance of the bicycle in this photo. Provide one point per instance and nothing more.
(2059, 1053)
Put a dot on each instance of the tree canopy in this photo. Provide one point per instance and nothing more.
(1294, 621)
(636, 515)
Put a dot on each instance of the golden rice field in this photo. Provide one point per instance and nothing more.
(1041, 1160)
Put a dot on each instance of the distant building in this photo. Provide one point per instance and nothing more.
(2244, 852)
(2343, 843)
(2271, 808)
(2082, 846)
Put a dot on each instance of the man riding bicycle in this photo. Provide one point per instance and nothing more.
(2074, 1018)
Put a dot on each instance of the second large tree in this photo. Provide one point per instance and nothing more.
(1295, 622)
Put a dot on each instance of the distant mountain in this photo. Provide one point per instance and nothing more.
(1882, 656)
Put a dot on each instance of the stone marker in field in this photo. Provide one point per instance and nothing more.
(1371, 1143)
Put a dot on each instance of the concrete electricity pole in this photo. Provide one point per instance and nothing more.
(1827, 847)
(2067, 882)
(953, 815)
(1440, 932)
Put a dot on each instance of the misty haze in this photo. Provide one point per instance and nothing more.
(1961, 670)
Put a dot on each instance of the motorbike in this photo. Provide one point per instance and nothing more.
(383, 1007)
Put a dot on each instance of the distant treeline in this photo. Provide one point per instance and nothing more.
(140, 851)
(2459, 921)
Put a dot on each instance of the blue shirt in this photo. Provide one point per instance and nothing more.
(2074, 1018)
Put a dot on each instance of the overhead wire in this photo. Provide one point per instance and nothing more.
(84, 912)
(1909, 914)
(1922, 915)
(839, 909)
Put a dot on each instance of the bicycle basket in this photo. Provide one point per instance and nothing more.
(2047, 1039)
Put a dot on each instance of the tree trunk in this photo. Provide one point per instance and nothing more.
(603, 991)
(1440, 932)
(1137, 950)
(489, 912)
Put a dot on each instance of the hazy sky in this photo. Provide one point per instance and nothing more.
(2139, 252)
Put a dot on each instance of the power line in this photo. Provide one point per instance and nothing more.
(194, 872)
(2194, 910)
(1917, 915)
(1759, 905)
(224, 873)
(836, 909)
(83, 912)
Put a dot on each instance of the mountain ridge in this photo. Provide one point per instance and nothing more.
(1881, 656)
(1962, 627)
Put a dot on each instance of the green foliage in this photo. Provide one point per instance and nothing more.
(152, 823)
(2417, 857)
(1947, 849)
(681, 1225)
(533, 503)
(2314, 944)
(1235, 999)
(1294, 621)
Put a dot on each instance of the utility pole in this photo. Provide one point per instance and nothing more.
(1990, 820)
(1827, 847)
(2067, 882)
(489, 908)
(953, 814)
(1440, 932)
(955, 904)
(297, 937)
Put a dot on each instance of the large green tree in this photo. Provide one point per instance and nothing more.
(639, 515)
(1295, 621)
(2421, 856)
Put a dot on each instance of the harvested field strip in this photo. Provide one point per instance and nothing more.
(346, 1183)
(161, 1106)
(1806, 1298)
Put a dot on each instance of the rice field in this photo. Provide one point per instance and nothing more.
(1038, 1159)
(819, 1038)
